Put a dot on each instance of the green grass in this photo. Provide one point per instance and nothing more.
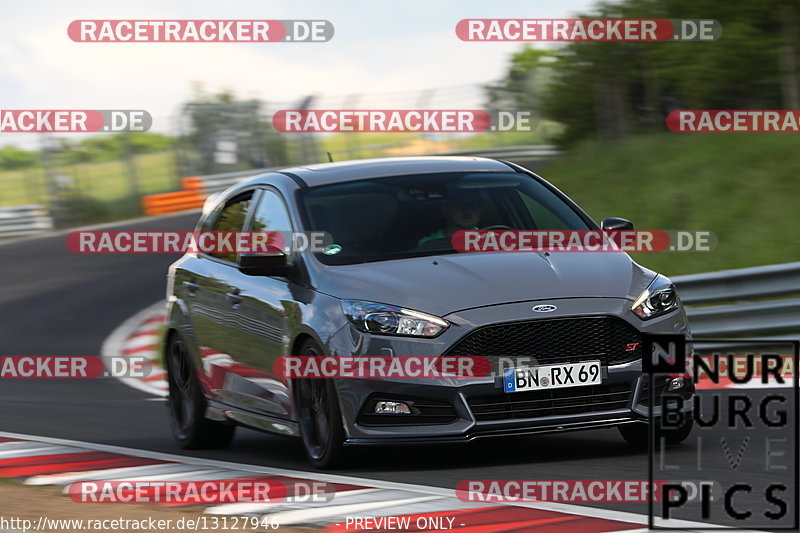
(363, 145)
(743, 187)
(107, 181)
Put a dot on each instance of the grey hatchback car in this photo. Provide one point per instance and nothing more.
(392, 284)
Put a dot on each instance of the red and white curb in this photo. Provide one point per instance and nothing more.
(139, 336)
(49, 461)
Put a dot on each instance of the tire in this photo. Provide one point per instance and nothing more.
(637, 434)
(186, 405)
(681, 433)
(320, 418)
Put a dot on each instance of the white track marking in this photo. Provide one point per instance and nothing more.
(197, 474)
(580, 510)
(15, 444)
(433, 506)
(19, 445)
(757, 384)
(33, 451)
(138, 342)
(258, 508)
(322, 514)
(115, 344)
(110, 473)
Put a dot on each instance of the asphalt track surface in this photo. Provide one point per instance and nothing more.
(54, 302)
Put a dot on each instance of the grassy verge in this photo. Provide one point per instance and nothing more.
(744, 187)
(106, 181)
(362, 145)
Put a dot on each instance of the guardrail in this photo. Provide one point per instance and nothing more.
(512, 152)
(191, 196)
(22, 220)
(759, 302)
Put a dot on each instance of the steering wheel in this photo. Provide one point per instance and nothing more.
(496, 226)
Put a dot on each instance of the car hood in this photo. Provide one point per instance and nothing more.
(448, 283)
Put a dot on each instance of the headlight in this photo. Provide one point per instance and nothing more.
(659, 298)
(383, 319)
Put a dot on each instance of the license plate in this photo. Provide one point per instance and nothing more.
(552, 376)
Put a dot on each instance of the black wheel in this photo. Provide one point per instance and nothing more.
(678, 434)
(320, 418)
(636, 434)
(186, 405)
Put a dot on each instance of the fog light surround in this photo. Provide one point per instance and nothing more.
(391, 408)
(675, 384)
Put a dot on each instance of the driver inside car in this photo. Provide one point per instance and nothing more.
(461, 212)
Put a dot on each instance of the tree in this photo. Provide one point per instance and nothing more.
(611, 89)
(226, 134)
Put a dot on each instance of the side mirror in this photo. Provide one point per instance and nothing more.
(270, 264)
(609, 224)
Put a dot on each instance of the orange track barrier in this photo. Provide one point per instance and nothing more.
(192, 196)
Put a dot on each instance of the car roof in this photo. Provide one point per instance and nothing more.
(344, 171)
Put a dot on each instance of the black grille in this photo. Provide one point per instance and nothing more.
(660, 388)
(555, 402)
(608, 339)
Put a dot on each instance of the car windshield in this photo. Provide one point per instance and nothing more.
(410, 216)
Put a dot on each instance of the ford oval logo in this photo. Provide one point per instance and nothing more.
(545, 308)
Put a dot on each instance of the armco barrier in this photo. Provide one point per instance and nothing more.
(512, 152)
(22, 220)
(193, 192)
(192, 196)
(762, 302)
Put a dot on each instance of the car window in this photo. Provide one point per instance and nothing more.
(271, 214)
(410, 216)
(231, 218)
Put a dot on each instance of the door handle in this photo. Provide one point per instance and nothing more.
(191, 287)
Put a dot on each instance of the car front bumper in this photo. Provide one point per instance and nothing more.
(470, 408)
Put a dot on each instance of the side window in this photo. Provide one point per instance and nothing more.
(231, 218)
(271, 214)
